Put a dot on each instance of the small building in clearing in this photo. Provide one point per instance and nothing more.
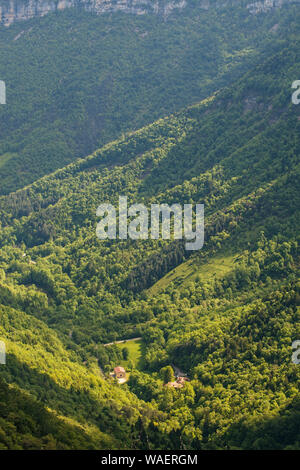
(120, 372)
(179, 383)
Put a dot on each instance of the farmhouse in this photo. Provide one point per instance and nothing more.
(179, 383)
(120, 372)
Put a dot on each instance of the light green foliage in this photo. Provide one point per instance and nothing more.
(167, 374)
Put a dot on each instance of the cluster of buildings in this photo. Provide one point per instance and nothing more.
(178, 383)
(119, 373)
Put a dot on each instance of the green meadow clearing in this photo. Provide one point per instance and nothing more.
(135, 357)
(190, 270)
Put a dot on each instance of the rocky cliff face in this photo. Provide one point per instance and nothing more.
(13, 10)
(266, 5)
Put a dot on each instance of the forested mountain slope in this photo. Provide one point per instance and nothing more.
(227, 315)
(76, 81)
(26, 424)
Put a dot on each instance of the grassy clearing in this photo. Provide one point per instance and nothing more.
(135, 358)
(217, 267)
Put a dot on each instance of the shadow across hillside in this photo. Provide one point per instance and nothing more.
(73, 403)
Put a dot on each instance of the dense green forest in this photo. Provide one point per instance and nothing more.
(225, 315)
(76, 81)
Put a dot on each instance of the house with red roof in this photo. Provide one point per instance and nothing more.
(120, 372)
